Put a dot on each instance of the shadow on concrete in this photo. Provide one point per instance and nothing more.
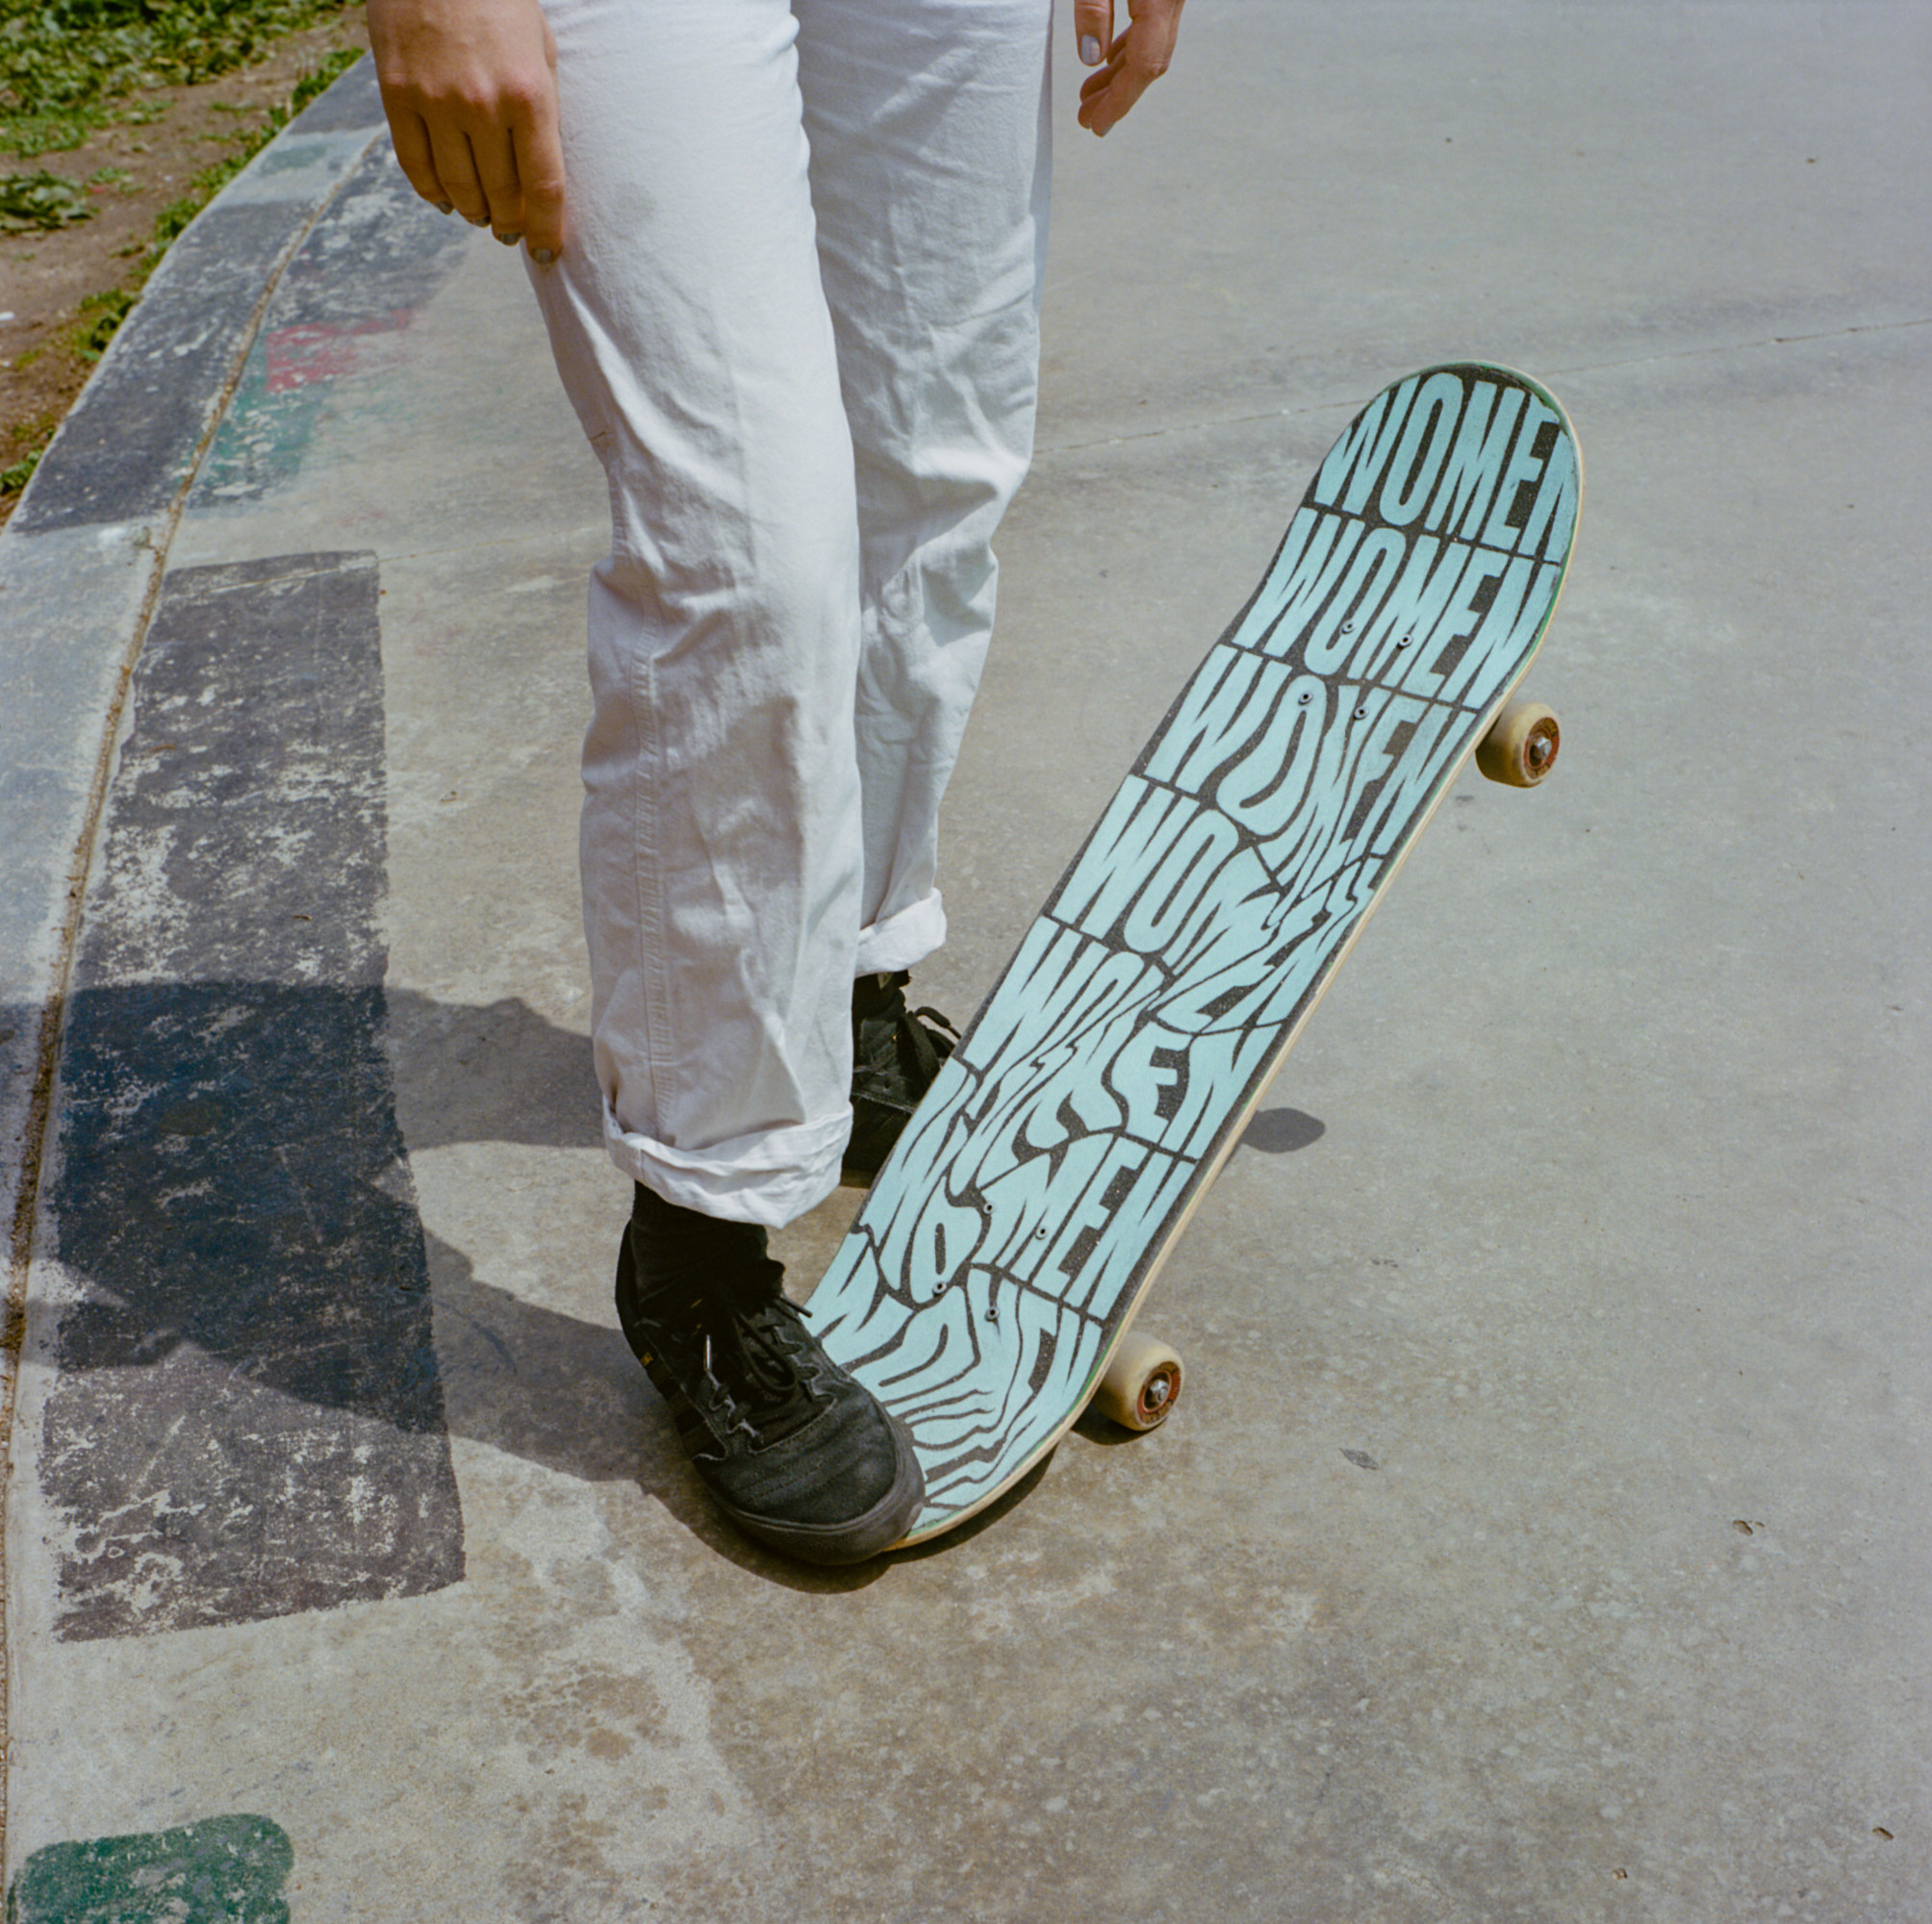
(265, 1352)
(491, 1072)
(1282, 1132)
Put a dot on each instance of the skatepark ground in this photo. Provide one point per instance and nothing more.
(1543, 1533)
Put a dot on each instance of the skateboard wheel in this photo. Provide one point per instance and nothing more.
(1141, 1384)
(1521, 746)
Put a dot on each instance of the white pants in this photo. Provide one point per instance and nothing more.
(798, 314)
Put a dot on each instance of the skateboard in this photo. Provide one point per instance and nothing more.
(986, 1288)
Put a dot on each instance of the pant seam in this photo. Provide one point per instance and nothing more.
(648, 871)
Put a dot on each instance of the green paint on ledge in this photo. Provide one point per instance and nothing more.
(223, 1870)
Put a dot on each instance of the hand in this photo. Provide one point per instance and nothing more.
(1127, 66)
(471, 90)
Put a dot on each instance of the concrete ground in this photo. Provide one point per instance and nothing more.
(1544, 1532)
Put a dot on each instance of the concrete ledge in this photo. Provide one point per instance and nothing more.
(84, 554)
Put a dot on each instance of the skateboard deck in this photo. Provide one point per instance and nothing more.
(1006, 1244)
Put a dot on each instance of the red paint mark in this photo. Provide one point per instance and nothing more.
(322, 351)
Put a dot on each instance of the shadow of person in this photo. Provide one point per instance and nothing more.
(260, 1354)
(491, 1072)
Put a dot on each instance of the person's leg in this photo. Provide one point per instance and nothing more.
(930, 134)
(720, 854)
(929, 129)
(722, 849)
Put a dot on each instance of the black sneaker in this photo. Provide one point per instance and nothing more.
(896, 1053)
(795, 1452)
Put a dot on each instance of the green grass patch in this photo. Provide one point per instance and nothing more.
(100, 315)
(66, 65)
(31, 437)
(41, 202)
(13, 479)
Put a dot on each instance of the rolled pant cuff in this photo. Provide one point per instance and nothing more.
(771, 1178)
(904, 939)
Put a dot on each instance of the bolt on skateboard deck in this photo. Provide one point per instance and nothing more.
(984, 1291)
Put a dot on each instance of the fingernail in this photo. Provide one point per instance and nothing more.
(545, 257)
(1090, 49)
(478, 220)
(509, 240)
(444, 205)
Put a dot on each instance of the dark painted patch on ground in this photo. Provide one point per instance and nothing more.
(374, 257)
(225, 1870)
(248, 1419)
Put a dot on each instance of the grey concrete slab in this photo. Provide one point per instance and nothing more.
(1539, 1536)
(1324, 193)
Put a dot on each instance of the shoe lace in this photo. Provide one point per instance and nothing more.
(763, 1377)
